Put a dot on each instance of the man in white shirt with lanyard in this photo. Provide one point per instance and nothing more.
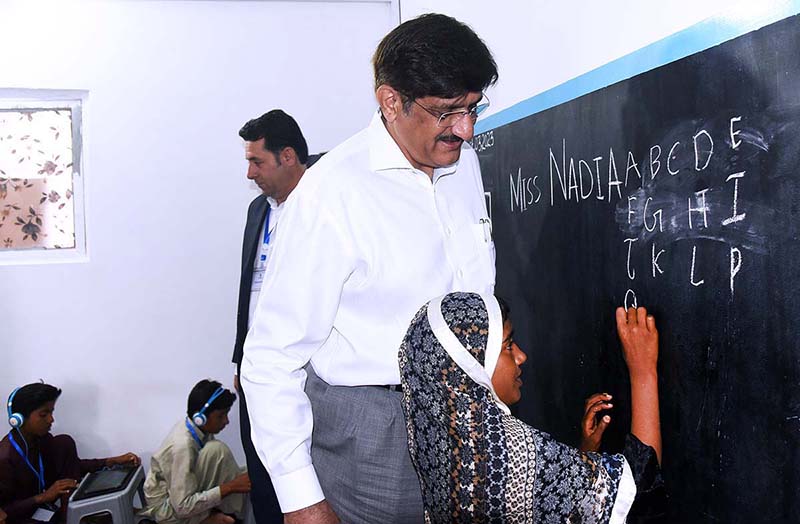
(387, 220)
(276, 152)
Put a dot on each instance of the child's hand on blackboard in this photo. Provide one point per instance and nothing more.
(592, 426)
(639, 337)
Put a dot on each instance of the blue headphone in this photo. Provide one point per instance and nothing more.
(15, 420)
(198, 418)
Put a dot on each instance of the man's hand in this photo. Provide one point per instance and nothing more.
(236, 383)
(240, 484)
(319, 513)
(59, 487)
(128, 459)
(591, 429)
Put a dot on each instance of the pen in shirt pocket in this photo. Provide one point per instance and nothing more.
(487, 228)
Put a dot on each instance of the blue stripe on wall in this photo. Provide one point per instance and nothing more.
(699, 37)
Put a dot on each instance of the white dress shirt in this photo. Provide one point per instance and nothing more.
(262, 255)
(365, 241)
(260, 261)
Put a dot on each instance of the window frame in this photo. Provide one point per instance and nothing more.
(75, 102)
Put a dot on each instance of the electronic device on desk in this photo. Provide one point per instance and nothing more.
(106, 496)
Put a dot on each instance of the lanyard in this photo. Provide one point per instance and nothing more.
(194, 434)
(262, 253)
(40, 473)
(267, 233)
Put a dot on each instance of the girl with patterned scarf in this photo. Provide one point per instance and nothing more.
(476, 462)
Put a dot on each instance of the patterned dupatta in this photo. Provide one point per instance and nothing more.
(475, 461)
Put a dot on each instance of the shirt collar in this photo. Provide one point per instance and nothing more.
(384, 153)
(273, 203)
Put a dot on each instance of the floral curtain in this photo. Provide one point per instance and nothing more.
(36, 204)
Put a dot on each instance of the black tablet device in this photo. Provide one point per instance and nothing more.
(104, 481)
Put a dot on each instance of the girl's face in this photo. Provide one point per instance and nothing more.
(506, 378)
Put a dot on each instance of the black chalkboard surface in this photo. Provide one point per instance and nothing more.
(677, 189)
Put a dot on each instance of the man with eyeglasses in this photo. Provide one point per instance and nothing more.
(387, 220)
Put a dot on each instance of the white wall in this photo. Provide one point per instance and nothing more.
(128, 333)
(539, 44)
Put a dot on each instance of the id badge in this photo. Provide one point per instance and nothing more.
(43, 515)
(258, 278)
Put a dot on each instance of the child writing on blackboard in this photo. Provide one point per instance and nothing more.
(459, 367)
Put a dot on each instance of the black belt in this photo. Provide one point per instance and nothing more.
(392, 387)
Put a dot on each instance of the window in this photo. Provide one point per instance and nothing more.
(41, 188)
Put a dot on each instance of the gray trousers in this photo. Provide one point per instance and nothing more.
(360, 453)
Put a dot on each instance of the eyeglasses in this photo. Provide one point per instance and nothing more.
(451, 118)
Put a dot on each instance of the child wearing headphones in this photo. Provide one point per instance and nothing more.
(37, 468)
(194, 478)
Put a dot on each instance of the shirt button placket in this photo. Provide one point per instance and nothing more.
(447, 227)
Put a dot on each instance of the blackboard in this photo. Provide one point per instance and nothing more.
(677, 189)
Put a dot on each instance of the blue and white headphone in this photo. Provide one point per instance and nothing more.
(15, 420)
(198, 418)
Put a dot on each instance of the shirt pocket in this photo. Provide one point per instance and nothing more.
(484, 244)
(475, 256)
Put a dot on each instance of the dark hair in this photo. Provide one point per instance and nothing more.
(433, 55)
(505, 309)
(202, 391)
(278, 130)
(31, 397)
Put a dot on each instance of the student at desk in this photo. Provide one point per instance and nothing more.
(37, 468)
(193, 477)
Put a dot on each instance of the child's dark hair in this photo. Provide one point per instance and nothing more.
(202, 391)
(31, 397)
(505, 309)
